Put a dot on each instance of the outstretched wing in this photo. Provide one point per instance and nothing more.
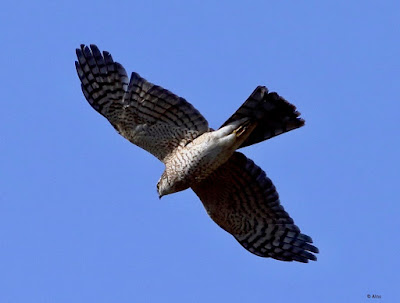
(242, 200)
(273, 114)
(146, 114)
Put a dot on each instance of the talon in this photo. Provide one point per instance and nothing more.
(240, 130)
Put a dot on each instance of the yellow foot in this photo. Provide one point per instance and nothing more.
(241, 129)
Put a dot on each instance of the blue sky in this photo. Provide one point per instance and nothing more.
(80, 220)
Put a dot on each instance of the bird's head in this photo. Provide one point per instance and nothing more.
(164, 187)
(167, 185)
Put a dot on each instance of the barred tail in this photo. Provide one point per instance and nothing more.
(272, 113)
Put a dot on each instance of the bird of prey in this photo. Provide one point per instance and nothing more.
(235, 192)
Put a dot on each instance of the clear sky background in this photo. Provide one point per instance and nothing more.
(80, 220)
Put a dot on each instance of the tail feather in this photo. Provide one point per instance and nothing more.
(272, 113)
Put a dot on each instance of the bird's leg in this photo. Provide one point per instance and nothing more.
(242, 128)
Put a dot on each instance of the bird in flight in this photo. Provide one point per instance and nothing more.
(235, 192)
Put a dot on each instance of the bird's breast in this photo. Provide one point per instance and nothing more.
(197, 160)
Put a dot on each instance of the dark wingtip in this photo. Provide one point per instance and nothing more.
(77, 66)
(94, 47)
(309, 256)
(78, 51)
(304, 257)
(315, 249)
